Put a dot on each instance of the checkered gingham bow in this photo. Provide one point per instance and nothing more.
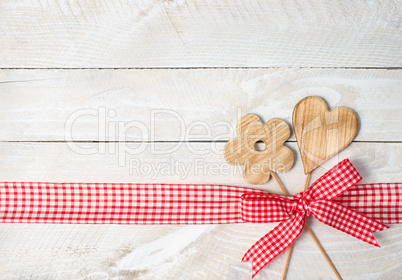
(333, 199)
(292, 213)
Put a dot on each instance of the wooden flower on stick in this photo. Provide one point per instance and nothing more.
(258, 165)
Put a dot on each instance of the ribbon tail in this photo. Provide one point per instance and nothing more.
(347, 220)
(274, 243)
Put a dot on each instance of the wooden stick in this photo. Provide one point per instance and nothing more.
(279, 184)
(306, 182)
(323, 252)
(308, 230)
(315, 239)
(285, 267)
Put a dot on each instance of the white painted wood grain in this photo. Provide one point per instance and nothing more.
(182, 252)
(186, 104)
(175, 163)
(35, 104)
(208, 33)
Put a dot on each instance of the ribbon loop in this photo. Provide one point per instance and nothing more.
(335, 182)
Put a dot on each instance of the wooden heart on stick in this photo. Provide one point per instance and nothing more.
(321, 133)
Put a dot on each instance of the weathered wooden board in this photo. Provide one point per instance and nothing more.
(209, 33)
(182, 252)
(175, 163)
(186, 104)
(41, 109)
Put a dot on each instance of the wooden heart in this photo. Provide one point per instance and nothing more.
(320, 133)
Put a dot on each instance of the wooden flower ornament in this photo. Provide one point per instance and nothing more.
(258, 165)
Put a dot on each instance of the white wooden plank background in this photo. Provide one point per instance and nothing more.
(182, 252)
(207, 33)
(36, 104)
(219, 96)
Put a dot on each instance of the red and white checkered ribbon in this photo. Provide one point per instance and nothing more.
(333, 199)
(318, 201)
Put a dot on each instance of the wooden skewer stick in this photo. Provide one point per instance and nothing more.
(315, 239)
(279, 184)
(306, 182)
(308, 230)
(323, 252)
(285, 267)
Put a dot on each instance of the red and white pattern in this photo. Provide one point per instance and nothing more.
(113, 203)
(292, 211)
(381, 202)
(334, 199)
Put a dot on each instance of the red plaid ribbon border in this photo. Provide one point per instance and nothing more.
(334, 199)
(115, 203)
(381, 202)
